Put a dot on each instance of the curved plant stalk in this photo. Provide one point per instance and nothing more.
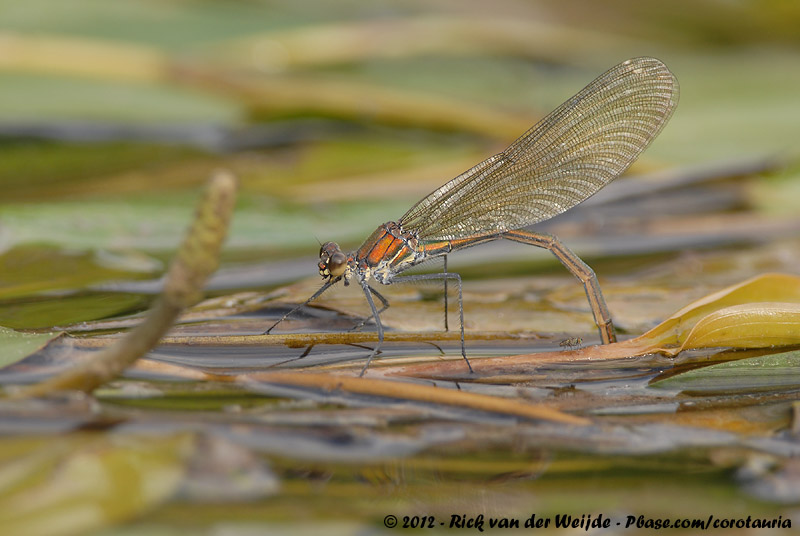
(196, 259)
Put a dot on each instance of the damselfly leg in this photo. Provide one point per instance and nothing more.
(579, 269)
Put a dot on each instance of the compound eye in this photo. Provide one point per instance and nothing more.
(337, 264)
(327, 249)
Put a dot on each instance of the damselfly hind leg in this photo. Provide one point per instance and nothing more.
(444, 271)
(579, 269)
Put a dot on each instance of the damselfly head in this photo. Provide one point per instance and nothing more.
(332, 262)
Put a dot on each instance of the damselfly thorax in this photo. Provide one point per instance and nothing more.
(387, 252)
(564, 159)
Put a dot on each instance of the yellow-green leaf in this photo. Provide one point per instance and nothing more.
(751, 325)
(762, 288)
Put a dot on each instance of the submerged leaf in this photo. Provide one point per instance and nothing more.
(39, 313)
(769, 372)
(15, 345)
(31, 269)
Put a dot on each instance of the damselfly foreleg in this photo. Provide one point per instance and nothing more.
(328, 284)
(368, 293)
(384, 306)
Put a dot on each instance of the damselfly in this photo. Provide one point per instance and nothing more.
(569, 155)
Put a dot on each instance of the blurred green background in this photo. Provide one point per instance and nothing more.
(338, 116)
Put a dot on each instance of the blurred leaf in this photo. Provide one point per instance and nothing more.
(15, 345)
(733, 104)
(81, 57)
(41, 286)
(82, 483)
(28, 270)
(769, 372)
(778, 196)
(29, 97)
(361, 102)
(36, 172)
(37, 313)
(116, 225)
(395, 38)
(169, 26)
(277, 97)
